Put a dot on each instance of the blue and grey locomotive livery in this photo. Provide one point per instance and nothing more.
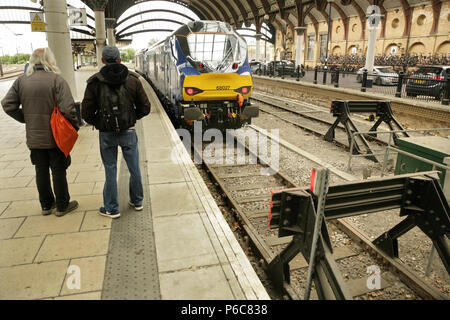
(201, 73)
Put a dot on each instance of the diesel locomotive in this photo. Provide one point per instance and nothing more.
(201, 73)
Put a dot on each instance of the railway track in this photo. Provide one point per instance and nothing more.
(315, 119)
(411, 111)
(12, 73)
(247, 192)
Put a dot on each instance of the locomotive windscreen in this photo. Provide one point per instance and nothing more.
(214, 45)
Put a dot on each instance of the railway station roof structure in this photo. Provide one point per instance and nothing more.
(249, 17)
(280, 13)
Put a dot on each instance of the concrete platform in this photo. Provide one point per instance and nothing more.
(179, 247)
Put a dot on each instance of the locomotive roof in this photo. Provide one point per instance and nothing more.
(204, 26)
(199, 26)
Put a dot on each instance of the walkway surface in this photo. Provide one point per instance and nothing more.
(179, 247)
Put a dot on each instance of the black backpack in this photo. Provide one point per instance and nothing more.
(117, 110)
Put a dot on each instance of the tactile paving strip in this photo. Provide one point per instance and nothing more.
(131, 268)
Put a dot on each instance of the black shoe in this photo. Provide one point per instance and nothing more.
(72, 206)
(48, 211)
(102, 211)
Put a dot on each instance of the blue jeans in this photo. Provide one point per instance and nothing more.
(128, 141)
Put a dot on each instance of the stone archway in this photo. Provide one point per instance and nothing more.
(444, 48)
(337, 50)
(392, 49)
(352, 50)
(417, 48)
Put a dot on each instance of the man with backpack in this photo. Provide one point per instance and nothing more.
(114, 99)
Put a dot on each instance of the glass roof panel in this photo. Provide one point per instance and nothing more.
(20, 3)
(149, 5)
(152, 15)
(153, 25)
(78, 35)
(19, 38)
(249, 33)
(141, 40)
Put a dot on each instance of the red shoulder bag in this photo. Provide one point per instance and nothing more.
(64, 133)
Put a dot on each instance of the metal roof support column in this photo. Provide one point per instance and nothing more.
(110, 25)
(58, 36)
(100, 34)
(258, 46)
(373, 22)
(300, 39)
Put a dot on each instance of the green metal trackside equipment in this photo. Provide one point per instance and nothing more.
(429, 147)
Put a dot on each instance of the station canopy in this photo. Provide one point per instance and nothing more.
(15, 28)
(144, 20)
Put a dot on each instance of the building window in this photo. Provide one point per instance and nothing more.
(311, 45)
(395, 23)
(338, 28)
(323, 46)
(354, 27)
(421, 19)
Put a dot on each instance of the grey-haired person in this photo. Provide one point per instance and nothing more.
(30, 100)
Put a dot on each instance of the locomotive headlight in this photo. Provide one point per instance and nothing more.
(243, 90)
(192, 91)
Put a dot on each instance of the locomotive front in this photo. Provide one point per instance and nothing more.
(215, 75)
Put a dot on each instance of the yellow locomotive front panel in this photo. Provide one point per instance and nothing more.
(216, 87)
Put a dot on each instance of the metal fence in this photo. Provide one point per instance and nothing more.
(419, 87)
(390, 146)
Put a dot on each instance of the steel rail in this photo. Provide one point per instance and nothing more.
(310, 117)
(246, 224)
(422, 288)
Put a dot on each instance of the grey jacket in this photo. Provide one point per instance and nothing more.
(35, 94)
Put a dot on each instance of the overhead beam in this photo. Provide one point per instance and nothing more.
(230, 8)
(266, 6)
(362, 18)
(345, 19)
(145, 21)
(242, 9)
(255, 12)
(437, 7)
(223, 12)
(383, 12)
(407, 11)
(20, 8)
(143, 31)
(14, 22)
(315, 22)
(219, 12)
(281, 5)
(207, 11)
(150, 11)
(300, 15)
(82, 31)
(276, 11)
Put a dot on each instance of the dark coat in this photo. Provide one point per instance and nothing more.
(35, 94)
(114, 75)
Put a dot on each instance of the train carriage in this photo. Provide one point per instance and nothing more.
(201, 73)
